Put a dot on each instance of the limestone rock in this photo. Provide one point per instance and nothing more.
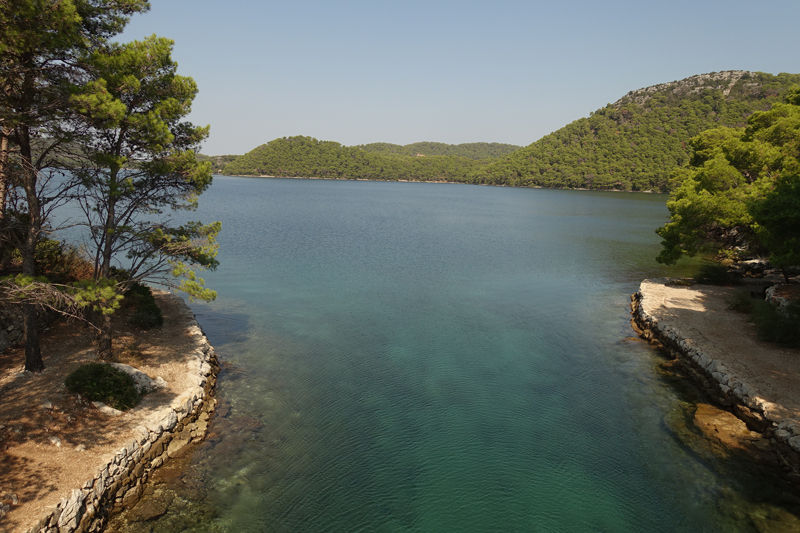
(144, 383)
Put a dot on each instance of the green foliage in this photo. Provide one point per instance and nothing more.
(147, 314)
(781, 326)
(427, 149)
(776, 221)
(101, 296)
(636, 143)
(714, 274)
(307, 157)
(773, 324)
(740, 189)
(58, 261)
(742, 302)
(144, 163)
(101, 382)
(218, 162)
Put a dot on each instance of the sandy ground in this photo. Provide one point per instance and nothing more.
(701, 313)
(52, 441)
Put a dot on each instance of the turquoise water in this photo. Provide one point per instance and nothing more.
(413, 357)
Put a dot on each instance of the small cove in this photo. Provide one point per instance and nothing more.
(432, 357)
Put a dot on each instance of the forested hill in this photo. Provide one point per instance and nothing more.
(632, 144)
(307, 157)
(469, 150)
(635, 143)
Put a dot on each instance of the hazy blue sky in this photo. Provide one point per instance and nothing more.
(494, 71)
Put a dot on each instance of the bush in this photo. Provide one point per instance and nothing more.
(715, 274)
(147, 314)
(60, 262)
(778, 325)
(743, 302)
(101, 382)
(781, 326)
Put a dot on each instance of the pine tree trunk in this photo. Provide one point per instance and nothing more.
(104, 338)
(33, 353)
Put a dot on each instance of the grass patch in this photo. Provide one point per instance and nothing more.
(101, 382)
(146, 313)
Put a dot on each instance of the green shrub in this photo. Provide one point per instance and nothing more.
(714, 274)
(101, 382)
(147, 314)
(781, 326)
(742, 302)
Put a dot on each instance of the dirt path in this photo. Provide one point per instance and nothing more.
(700, 313)
(52, 441)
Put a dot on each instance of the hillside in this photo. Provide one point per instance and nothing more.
(218, 162)
(427, 149)
(632, 144)
(636, 142)
(307, 157)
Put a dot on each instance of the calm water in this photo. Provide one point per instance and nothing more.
(405, 357)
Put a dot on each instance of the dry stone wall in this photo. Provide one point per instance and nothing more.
(163, 435)
(722, 385)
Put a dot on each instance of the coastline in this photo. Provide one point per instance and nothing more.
(434, 181)
(98, 460)
(757, 382)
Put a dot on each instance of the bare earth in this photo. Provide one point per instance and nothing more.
(701, 313)
(52, 441)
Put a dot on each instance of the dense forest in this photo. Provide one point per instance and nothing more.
(307, 157)
(426, 149)
(635, 143)
(632, 144)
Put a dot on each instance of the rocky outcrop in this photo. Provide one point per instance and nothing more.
(728, 389)
(721, 81)
(165, 434)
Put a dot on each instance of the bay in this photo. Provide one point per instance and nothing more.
(434, 357)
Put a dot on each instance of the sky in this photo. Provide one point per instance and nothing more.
(358, 72)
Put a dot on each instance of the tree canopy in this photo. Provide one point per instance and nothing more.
(110, 118)
(741, 189)
(42, 43)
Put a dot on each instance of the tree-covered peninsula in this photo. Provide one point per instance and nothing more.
(632, 144)
(307, 157)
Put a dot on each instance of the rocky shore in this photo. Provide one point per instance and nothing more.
(756, 381)
(50, 442)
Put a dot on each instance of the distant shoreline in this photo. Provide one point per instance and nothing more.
(434, 181)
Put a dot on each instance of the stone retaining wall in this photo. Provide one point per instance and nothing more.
(723, 386)
(164, 435)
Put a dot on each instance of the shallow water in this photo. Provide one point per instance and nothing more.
(431, 357)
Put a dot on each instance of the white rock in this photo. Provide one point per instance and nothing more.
(105, 409)
(169, 421)
(144, 383)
